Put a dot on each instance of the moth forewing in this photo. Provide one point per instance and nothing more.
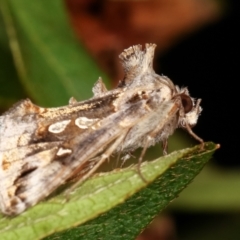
(28, 189)
(42, 148)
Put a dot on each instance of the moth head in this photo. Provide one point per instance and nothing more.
(191, 109)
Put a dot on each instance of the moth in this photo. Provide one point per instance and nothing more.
(42, 148)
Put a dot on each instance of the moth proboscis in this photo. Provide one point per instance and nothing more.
(42, 148)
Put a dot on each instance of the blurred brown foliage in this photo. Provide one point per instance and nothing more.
(106, 27)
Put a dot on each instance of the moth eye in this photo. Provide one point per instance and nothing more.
(187, 103)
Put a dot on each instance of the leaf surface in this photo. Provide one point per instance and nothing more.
(51, 64)
(141, 201)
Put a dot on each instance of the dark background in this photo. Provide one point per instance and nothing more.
(208, 63)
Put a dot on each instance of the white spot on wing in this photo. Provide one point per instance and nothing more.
(63, 151)
(58, 126)
(84, 123)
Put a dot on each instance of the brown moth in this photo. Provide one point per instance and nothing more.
(42, 148)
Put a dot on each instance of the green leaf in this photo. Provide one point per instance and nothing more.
(11, 89)
(51, 64)
(165, 177)
(214, 190)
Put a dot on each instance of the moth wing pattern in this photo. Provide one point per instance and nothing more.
(42, 148)
(33, 170)
(18, 155)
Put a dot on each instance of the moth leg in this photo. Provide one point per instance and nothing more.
(141, 158)
(152, 135)
(117, 160)
(165, 146)
(195, 136)
(126, 157)
(187, 126)
(102, 159)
